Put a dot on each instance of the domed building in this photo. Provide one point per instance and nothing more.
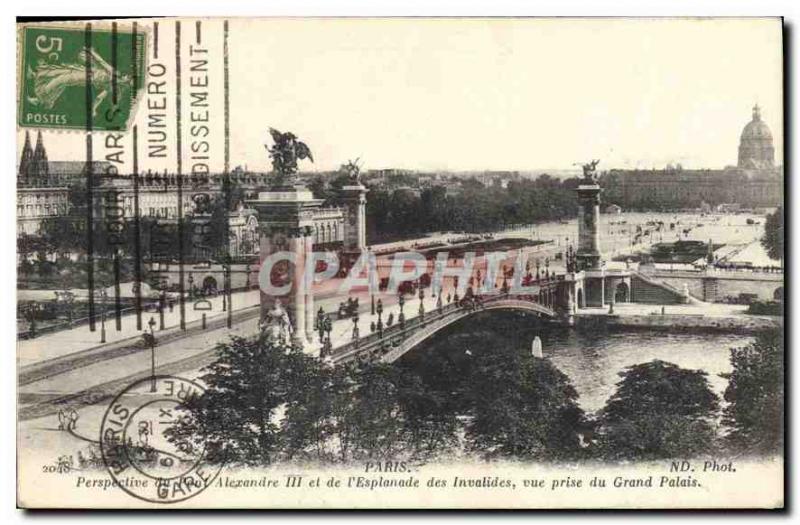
(755, 146)
(755, 182)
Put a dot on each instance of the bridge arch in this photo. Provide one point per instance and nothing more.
(398, 340)
(436, 326)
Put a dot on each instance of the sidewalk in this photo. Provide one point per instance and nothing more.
(64, 342)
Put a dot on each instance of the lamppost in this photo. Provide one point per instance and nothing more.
(355, 328)
(30, 314)
(401, 318)
(327, 328)
(152, 340)
(103, 295)
(379, 310)
(372, 304)
(320, 324)
(162, 303)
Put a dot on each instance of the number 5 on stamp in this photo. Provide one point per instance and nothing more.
(79, 77)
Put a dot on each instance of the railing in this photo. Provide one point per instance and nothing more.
(68, 325)
(149, 305)
(399, 329)
(398, 334)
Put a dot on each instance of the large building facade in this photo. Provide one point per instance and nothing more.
(756, 181)
(44, 188)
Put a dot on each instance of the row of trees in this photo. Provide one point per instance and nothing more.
(59, 250)
(269, 402)
(474, 208)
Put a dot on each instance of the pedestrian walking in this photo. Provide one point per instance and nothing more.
(73, 419)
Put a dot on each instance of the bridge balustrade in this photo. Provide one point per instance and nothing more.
(395, 335)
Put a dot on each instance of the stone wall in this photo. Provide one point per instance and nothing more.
(714, 286)
(678, 322)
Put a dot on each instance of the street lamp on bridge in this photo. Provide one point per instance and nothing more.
(320, 324)
(401, 318)
(379, 310)
(355, 328)
(327, 346)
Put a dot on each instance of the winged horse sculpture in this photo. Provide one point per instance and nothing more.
(51, 80)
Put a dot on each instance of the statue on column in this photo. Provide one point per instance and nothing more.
(286, 150)
(590, 171)
(352, 170)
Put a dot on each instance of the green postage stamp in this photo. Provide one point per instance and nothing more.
(79, 77)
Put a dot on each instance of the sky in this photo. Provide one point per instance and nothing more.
(472, 94)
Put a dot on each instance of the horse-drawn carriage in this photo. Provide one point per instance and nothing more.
(347, 308)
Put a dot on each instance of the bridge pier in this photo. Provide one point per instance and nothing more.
(589, 255)
(285, 222)
(354, 196)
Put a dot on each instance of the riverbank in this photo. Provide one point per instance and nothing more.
(683, 318)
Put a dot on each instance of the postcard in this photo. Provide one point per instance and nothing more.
(400, 263)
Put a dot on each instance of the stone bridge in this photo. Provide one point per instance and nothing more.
(399, 339)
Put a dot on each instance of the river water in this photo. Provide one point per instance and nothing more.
(592, 360)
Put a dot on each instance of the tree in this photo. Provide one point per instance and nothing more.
(429, 423)
(755, 394)
(659, 410)
(772, 241)
(523, 407)
(236, 419)
(374, 420)
(312, 425)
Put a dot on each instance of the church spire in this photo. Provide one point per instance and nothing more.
(39, 164)
(27, 155)
(40, 153)
(756, 112)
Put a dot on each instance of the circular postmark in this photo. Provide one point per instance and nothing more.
(138, 445)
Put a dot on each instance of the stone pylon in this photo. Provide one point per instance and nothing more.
(354, 197)
(286, 224)
(588, 255)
